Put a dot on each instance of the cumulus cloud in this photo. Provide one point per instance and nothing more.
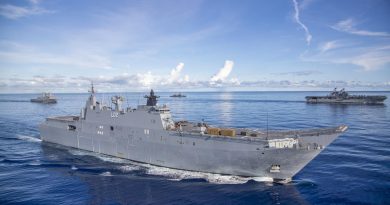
(146, 79)
(223, 73)
(186, 78)
(298, 20)
(235, 81)
(175, 73)
(348, 26)
(137, 82)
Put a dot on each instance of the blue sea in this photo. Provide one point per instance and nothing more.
(354, 169)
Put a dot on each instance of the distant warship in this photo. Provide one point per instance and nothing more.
(45, 98)
(178, 95)
(343, 97)
(148, 134)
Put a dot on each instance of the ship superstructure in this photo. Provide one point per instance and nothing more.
(45, 98)
(148, 134)
(344, 97)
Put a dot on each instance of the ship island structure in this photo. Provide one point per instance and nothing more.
(343, 97)
(148, 134)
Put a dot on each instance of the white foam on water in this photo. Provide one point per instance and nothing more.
(102, 157)
(172, 174)
(177, 175)
(262, 179)
(74, 168)
(79, 152)
(28, 138)
(129, 168)
(106, 174)
(107, 158)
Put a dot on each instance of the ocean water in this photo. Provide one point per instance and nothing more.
(354, 169)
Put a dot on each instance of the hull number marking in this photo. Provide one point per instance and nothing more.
(114, 114)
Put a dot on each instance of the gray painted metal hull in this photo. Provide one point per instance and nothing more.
(350, 99)
(44, 101)
(190, 152)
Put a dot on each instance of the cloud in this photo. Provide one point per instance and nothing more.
(329, 46)
(145, 80)
(223, 73)
(235, 81)
(300, 73)
(141, 82)
(297, 19)
(14, 12)
(305, 3)
(34, 2)
(348, 26)
(308, 84)
(124, 81)
(368, 58)
(175, 73)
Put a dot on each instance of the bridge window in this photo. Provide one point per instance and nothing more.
(112, 128)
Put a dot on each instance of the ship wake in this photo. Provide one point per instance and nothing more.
(28, 138)
(128, 167)
(179, 175)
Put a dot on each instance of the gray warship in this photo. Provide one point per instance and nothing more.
(178, 95)
(45, 98)
(343, 97)
(148, 134)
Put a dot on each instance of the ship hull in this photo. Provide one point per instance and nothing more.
(351, 100)
(202, 153)
(48, 101)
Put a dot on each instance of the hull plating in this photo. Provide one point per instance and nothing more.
(189, 152)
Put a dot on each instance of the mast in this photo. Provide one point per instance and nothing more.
(92, 91)
(92, 98)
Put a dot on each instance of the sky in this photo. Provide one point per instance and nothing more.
(194, 45)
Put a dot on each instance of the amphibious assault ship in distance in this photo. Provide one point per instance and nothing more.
(343, 97)
(148, 134)
(45, 98)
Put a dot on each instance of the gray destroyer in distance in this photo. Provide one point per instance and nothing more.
(148, 134)
(343, 97)
(45, 98)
